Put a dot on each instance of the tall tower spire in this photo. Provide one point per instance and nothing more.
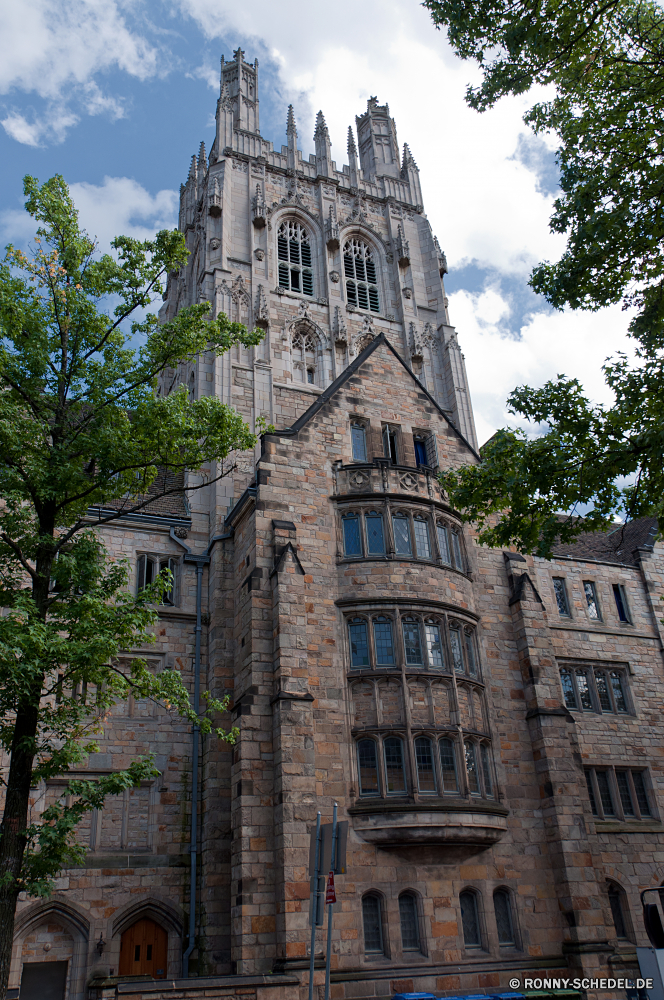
(352, 159)
(323, 147)
(377, 137)
(411, 174)
(239, 84)
(291, 135)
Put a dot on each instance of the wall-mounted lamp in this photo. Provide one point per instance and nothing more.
(101, 944)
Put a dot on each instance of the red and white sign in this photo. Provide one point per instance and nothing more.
(330, 894)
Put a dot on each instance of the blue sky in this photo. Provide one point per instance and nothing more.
(117, 96)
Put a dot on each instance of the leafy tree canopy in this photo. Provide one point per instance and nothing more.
(83, 424)
(605, 64)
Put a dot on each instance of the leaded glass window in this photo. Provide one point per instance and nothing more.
(294, 257)
(412, 642)
(560, 593)
(359, 643)
(470, 920)
(358, 437)
(367, 763)
(410, 932)
(617, 911)
(434, 646)
(375, 534)
(426, 775)
(394, 770)
(457, 654)
(456, 548)
(422, 541)
(352, 540)
(401, 530)
(360, 274)
(471, 768)
(372, 922)
(304, 357)
(471, 659)
(443, 544)
(503, 910)
(448, 766)
(486, 770)
(591, 600)
(383, 641)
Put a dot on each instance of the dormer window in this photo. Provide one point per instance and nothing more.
(360, 273)
(294, 254)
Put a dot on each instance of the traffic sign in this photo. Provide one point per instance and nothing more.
(330, 894)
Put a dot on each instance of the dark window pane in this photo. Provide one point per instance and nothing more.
(307, 282)
(282, 248)
(310, 376)
(618, 692)
(591, 793)
(560, 592)
(422, 542)
(641, 794)
(352, 293)
(359, 644)
(615, 901)
(373, 931)
(426, 777)
(362, 297)
(373, 300)
(371, 272)
(384, 642)
(360, 273)
(367, 763)
(420, 451)
(394, 773)
(456, 548)
(295, 280)
(622, 781)
(470, 653)
(486, 770)
(434, 647)
(603, 691)
(283, 276)
(503, 910)
(584, 690)
(410, 932)
(411, 641)
(401, 535)
(375, 533)
(471, 768)
(448, 766)
(470, 920)
(352, 543)
(306, 255)
(457, 655)
(443, 544)
(605, 792)
(359, 443)
(568, 689)
(349, 269)
(294, 251)
(591, 599)
(621, 603)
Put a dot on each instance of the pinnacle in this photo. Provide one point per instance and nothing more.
(351, 141)
(201, 155)
(321, 127)
(407, 157)
(192, 167)
(290, 121)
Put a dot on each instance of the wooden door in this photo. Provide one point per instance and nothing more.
(143, 950)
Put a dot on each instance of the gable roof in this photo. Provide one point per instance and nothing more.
(617, 546)
(346, 374)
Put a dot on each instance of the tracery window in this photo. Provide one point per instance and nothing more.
(395, 532)
(374, 642)
(360, 273)
(304, 357)
(589, 688)
(294, 256)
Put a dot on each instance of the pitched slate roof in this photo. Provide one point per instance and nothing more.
(171, 508)
(616, 545)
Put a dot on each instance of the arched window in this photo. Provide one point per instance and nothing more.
(470, 920)
(410, 925)
(360, 272)
(294, 254)
(375, 534)
(618, 910)
(485, 757)
(457, 654)
(367, 764)
(304, 358)
(412, 641)
(448, 766)
(456, 548)
(422, 540)
(352, 539)
(471, 767)
(359, 642)
(426, 775)
(358, 436)
(502, 905)
(401, 530)
(434, 645)
(443, 543)
(394, 770)
(471, 659)
(372, 920)
(383, 641)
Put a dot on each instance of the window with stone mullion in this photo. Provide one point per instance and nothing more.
(294, 258)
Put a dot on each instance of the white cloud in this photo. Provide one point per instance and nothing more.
(118, 207)
(551, 344)
(53, 126)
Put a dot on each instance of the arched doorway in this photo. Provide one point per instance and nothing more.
(143, 948)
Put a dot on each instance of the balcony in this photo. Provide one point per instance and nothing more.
(382, 477)
(455, 822)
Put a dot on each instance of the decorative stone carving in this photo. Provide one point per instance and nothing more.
(214, 200)
(262, 313)
(358, 479)
(442, 259)
(414, 342)
(259, 209)
(407, 293)
(215, 243)
(181, 533)
(402, 248)
(408, 482)
(331, 232)
(339, 327)
(334, 277)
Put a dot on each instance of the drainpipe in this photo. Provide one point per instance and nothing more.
(200, 561)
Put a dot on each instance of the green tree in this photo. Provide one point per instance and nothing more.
(82, 425)
(604, 63)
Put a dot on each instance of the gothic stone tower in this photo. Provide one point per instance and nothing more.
(490, 725)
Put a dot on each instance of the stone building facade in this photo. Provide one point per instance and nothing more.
(490, 725)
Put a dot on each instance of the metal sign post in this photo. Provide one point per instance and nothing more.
(313, 907)
(333, 859)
